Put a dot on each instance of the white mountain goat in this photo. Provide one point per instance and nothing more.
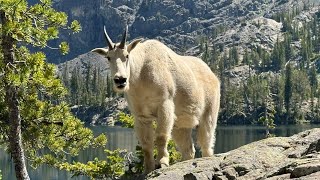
(178, 92)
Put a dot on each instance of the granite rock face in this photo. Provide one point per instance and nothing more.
(178, 23)
(295, 157)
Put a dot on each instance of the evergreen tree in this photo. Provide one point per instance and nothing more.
(233, 56)
(222, 81)
(314, 88)
(110, 92)
(214, 55)
(305, 53)
(288, 49)
(65, 75)
(246, 59)
(301, 92)
(206, 53)
(268, 112)
(255, 58)
(278, 56)
(265, 60)
(313, 79)
(34, 115)
(286, 23)
(278, 90)
(288, 91)
(76, 86)
(295, 32)
(224, 64)
(88, 79)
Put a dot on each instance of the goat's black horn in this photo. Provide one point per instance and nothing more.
(124, 39)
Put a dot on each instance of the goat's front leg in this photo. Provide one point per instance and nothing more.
(144, 132)
(165, 123)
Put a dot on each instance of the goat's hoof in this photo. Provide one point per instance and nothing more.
(162, 165)
(147, 171)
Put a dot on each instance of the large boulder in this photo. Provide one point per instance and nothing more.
(272, 158)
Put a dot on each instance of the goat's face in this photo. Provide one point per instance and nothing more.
(118, 56)
(120, 70)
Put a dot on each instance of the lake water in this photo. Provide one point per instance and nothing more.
(228, 138)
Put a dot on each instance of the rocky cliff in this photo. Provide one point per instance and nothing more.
(179, 23)
(295, 157)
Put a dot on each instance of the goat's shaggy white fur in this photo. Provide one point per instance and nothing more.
(179, 92)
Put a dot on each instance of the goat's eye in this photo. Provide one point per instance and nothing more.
(108, 58)
(127, 56)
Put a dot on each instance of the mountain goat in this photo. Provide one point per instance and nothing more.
(179, 92)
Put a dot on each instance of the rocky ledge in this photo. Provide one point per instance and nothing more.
(295, 157)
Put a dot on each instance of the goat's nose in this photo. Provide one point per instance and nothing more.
(120, 80)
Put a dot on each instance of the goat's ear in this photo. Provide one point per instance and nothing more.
(101, 51)
(133, 44)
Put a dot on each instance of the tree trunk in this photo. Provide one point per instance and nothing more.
(11, 98)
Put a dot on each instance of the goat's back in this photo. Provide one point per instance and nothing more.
(185, 79)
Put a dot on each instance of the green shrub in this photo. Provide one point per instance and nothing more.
(112, 168)
(126, 120)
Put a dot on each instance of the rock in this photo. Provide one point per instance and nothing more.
(259, 31)
(272, 158)
(101, 115)
(178, 23)
(239, 73)
(82, 62)
(306, 168)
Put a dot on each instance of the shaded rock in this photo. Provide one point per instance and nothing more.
(265, 159)
(82, 62)
(311, 176)
(101, 115)
(306, 168)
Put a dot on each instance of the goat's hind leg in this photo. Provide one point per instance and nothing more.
(206, 135)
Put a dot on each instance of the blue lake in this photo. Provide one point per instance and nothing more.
(228, 138)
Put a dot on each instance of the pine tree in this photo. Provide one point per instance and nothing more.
(88, 79)
(206, 53)
(110, 92)
(76, 86)
(214, 55)
(233, 56)
(65, 75)
(288, 48)
(255, 58)
(288, 91)
(278, 89)
(278, 56)
(286, 23)
(34, 115)
(313, 79)
(268, 113)
(265, 60)
(246, 59)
